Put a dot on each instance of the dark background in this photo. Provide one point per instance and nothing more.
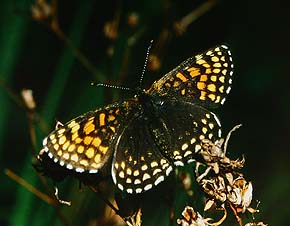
(34, 56)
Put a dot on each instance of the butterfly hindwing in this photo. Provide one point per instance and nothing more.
(187, 125)
(138, 163)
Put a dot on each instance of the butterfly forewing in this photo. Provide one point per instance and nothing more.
(204, 79)
(85, 143)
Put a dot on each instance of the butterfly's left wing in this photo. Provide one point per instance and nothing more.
(186, 124)
(204, 79)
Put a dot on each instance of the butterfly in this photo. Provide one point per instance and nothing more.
(143, 138)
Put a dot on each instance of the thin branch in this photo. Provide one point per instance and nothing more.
(30, 187)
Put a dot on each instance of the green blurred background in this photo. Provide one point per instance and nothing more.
(106, 41)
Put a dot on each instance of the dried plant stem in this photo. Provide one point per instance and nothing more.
(105, 200)
(195, 14)
(44, 197)
(238, 218)
(29, 187)
(75, 51)
(11, 93)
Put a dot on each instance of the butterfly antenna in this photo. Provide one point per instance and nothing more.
(145, 63)
(110, 86)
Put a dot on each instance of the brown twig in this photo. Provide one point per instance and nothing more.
(105, 200)
(29, 187)
(181, 25)
(11, 93)
(47, 13)
(44, 197)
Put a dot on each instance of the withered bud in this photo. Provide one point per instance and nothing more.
(41, 10)
(133, 19)
(28, 99)
(240, 194)
(111, 30)
(153, 63)
(192, 218)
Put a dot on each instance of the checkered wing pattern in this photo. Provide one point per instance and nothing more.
(147, 149)
(138, 163)
(187, 125)
(85, 143)
(205, 79)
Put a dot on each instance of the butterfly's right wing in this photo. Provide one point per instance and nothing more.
(85, 144)
(138, 164)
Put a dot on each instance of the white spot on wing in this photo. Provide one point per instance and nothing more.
(137, 181)
(129, 190)
(44, 142)
(220, 133)
(79, 170)
(159, 179)
(50, 155)
(190, 160)
(93, 171)
(147, 187)
(187, 153)
(197, 148)
(69, 166)
(184, 146)
(120, 186)
(138, 190)
(168, 170)
(223, 101)
(178, 163)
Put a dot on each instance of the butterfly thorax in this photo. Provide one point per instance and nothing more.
(149, 104)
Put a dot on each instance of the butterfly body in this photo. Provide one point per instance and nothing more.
(141, 139)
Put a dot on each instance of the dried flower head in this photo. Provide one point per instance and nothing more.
(240, 194)
(42, 10)
(28, 99)
(192, 218)
(256, 224)
(134, 220)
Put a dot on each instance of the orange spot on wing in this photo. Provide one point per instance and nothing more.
(203, 78)
(211, 87)
(181, 77)
(88, 140)
(89, 127)
(201, 85)
(102, 119)
(96, 142)
(193, 72)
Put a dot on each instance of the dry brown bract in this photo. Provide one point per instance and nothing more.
(223, 184)
(192, 218)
